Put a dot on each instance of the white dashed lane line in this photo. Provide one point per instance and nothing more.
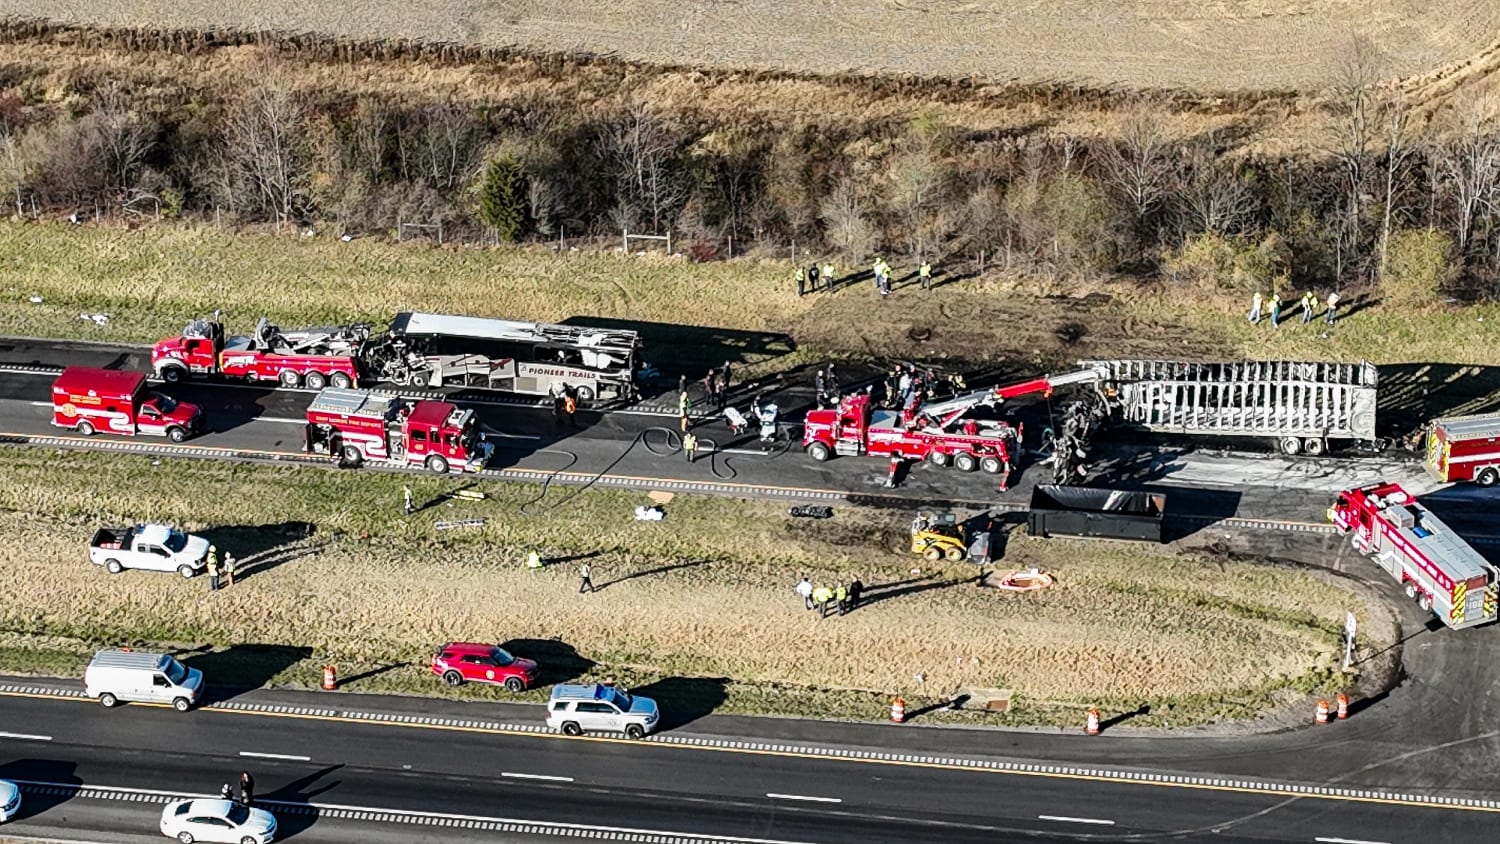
(804, 798)
(1346, 841)
(1064, 819)
(282, 756)
(544, 777)
(25, 737)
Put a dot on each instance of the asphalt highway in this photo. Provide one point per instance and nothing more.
(334, 780)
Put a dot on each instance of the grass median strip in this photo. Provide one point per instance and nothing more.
(697, 610)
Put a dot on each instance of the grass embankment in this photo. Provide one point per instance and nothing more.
(151, 281)
(697, 609)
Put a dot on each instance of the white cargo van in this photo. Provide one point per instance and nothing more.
(123, 674)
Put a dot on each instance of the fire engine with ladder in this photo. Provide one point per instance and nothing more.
(937, 432)
(361, 425)
(1440, 571)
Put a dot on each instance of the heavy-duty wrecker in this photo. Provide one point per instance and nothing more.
(316, 357)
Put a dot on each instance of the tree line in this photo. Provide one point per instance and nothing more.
(1391, 199)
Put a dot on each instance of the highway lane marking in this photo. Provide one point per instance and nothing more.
(806, 798)
(544, 777)
(1065, 819)
(25, 737)
(1191, 782)
(285, 756)
(372, 814)
(1346, 841)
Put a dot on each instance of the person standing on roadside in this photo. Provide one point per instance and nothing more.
(1333, 304)
(683, 405)
(804, 588)
(690, 446)
(800, 275)
(827, 276)
(247, 788)
(213, 569)
(228, 569)
(586, 580)
(721, 387)
(1255, 302)
(924, 273)
(406, 500)
(1275, 305)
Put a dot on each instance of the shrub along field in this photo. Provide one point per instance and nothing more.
(697, 608)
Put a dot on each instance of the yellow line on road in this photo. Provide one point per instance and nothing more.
(1119, 778)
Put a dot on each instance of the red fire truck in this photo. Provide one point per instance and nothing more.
(1440, 571)
(1465, 448)
(936, 432)
(109, 401)
(358, 425)
(316, 357)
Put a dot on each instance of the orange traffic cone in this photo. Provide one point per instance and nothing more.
(898, 711)
(1343, 704)
(330, 681)
(1322, 716)
(1092, 725)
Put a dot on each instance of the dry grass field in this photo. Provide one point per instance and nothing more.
(1220, 45)
(698, 606)
(151, 281)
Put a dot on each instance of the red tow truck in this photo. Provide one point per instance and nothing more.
(359, 425)
(1465, 448)
(316, 357)
(936, 432)
(1440, 571)
(110, 401)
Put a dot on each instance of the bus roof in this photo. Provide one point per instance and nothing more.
(484, 328)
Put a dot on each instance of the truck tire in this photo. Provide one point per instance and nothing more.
(181, 704)
(1314, 446)
(176, 434)
(186, 571)
(1487, 477)
(965, 462)
(819, 452)
(341, 380)
(416, 379)
(316, 380)
(108, 701)
(353, 456)
(171, 374)
(991, 465)
(571, 728)
(1289, 445)
(1425, 602)
(437, 463)
(1411, 590)
(937, 458)
(113, 566)
(634, 731)
(585, 395)
(289, 379)
(85, 428)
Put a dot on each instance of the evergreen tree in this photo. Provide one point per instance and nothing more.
(502, 199)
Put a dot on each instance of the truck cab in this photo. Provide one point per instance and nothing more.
(440, 436)
(841, 430)
(90, 400)
(196, 351)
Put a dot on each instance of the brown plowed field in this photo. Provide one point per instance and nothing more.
(1195, 44)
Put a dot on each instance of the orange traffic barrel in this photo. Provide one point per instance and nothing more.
(898, 711)
(1322, 716)
(1091, 726)
(1343, 704)
(330, 680)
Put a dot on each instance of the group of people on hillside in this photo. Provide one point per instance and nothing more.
(840, 598)
(817, 277)
(1261, 306)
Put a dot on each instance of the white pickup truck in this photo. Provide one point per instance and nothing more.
(148, 547)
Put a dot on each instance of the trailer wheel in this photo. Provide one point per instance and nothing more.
(937, 458)
(341, 380)
(965, 462)
(171, 374)
(991, 465)
(1313, 446)
(353, 456)
(819, 452)
(1290, 446)
(85, 428)
(1487, 477)
(436, 463)
(176, 434)
(288, 378)
(316, 380)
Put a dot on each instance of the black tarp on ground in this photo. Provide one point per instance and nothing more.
(1092, 512)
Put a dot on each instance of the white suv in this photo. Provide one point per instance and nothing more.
(577, 709)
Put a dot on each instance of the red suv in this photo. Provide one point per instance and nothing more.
(459, 662)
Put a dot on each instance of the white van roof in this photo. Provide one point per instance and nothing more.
(119, 658)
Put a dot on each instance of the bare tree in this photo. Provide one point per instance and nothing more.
(846, 220)
(644, 149)
(919, 180)
(14, 168)
(264, 149)
(124, 139)
(1399, 145)
(1138, 166)
(1469, 164)
(446, 146)
(1353, 106)
(1214, 197)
